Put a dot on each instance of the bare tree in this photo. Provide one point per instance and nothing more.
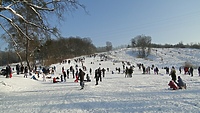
(108, 46)
(143, 43)
(28, 21)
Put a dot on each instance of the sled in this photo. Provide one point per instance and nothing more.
(183, 87)
(173, 85)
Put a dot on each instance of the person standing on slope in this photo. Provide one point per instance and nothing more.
(96, 76)
(191, 71)
(103, 72)
(173, 74)
(99, 74)
(81, 75)
(25, 72)
(65, 75)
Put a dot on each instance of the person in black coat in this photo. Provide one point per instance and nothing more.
(22, 69)
(65, 75)
(96, 76)
(99, 74)
(68, 73)
(7, 71)
(81, 75)
(26, 72)
(191, 71)
(103, 71)
(17, 68)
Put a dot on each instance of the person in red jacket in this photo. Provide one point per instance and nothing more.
(54, 80)
(173, 85)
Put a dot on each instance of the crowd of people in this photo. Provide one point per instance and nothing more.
(80, 73)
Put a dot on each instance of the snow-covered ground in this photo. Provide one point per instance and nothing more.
(143, 93)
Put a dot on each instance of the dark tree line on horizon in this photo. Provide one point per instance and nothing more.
(179, 45)
(52, 51)
(55, 50)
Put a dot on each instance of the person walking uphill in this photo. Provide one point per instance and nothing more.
(81, 75)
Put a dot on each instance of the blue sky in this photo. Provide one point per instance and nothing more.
(118, 21)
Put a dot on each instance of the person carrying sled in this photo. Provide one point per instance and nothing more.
(81, 75)
(181, 84)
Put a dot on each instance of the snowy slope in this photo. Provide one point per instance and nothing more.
(147, 93)
(162, 57)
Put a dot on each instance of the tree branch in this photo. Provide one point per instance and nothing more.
(15, 26)
(9, 34)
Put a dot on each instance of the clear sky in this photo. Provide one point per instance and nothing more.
(118, 21)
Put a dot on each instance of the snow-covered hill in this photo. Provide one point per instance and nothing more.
(161, 57)
(147, 93)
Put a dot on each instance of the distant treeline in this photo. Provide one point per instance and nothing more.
(56, 50)
(52, 51)
(7, 57)
(179, 45)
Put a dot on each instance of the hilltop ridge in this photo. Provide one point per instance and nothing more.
(160, 57)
